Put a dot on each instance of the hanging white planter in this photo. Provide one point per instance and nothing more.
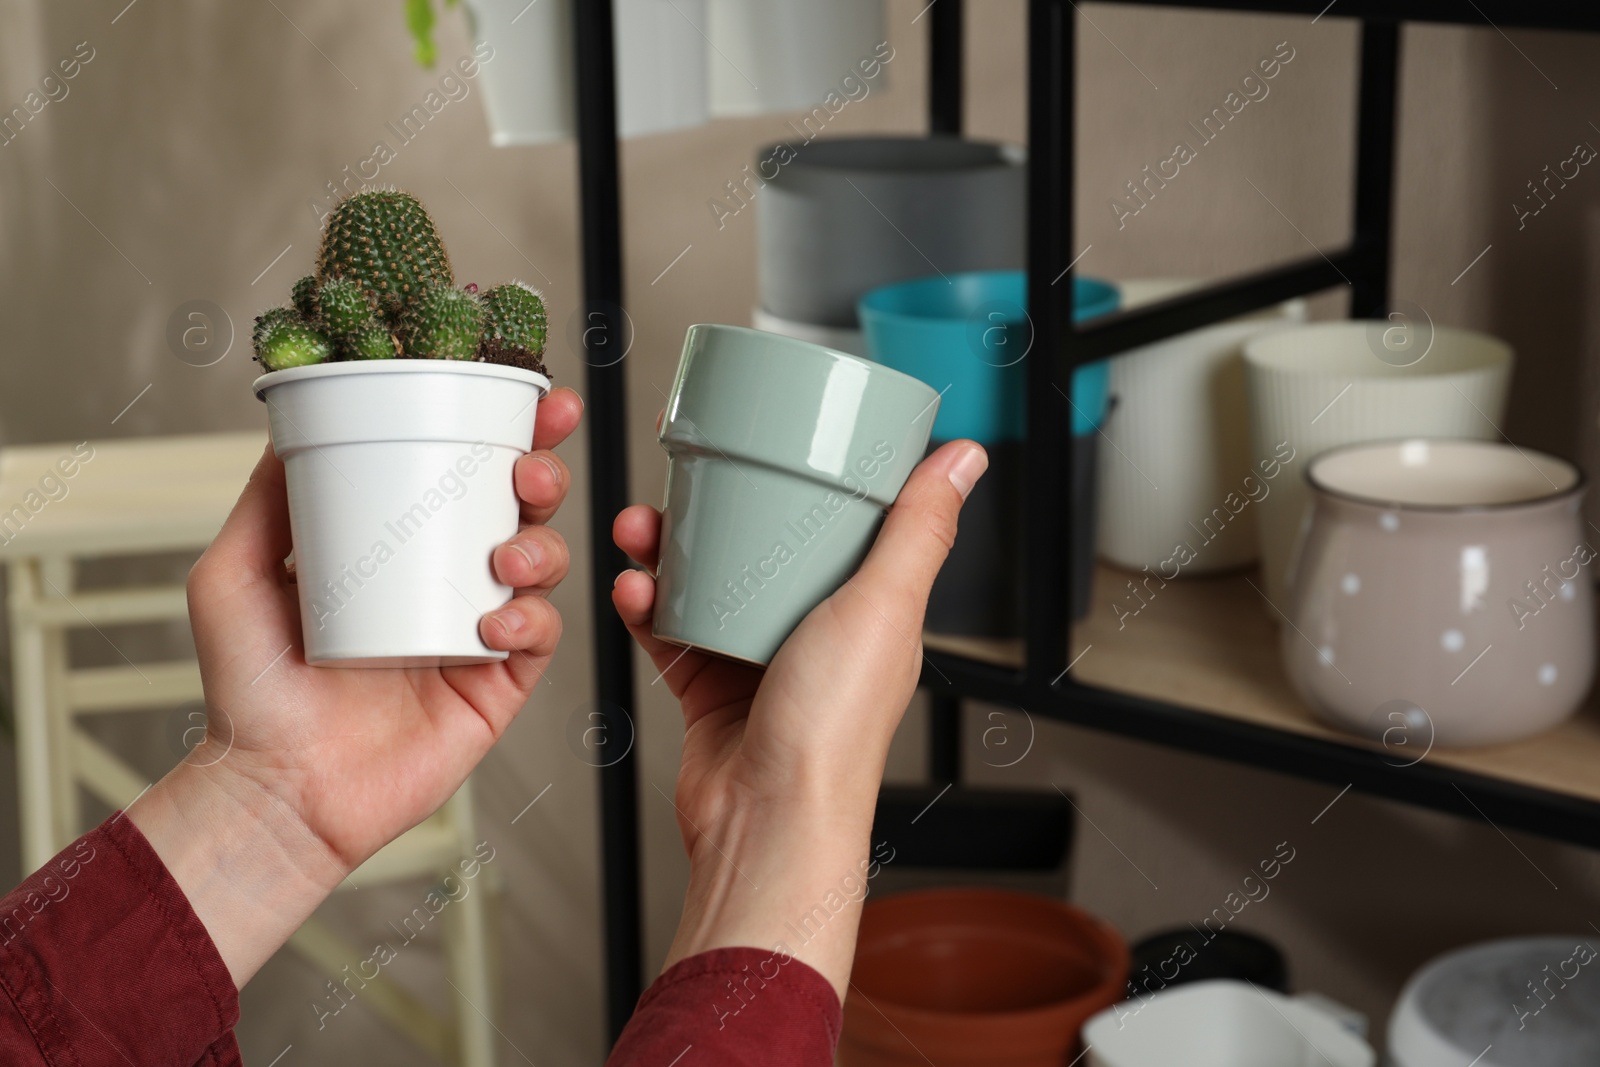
(660, 57)
(779, 55)
(662, 66)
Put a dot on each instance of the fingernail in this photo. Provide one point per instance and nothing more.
(617, 579)
(965, 471)
(509, 621)
(555, 472)
(531, 553)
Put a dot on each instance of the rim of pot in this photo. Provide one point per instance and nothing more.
(399, 365)
(1105, 937)
(1277, 350)
(800, 344)
(1579, 483)
(940, 154)
(1102, 291)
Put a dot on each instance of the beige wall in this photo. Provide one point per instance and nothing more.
(194, 139)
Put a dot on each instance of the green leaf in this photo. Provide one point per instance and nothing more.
(420, 20)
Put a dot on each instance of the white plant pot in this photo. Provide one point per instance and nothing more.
(1180, 437)
(1223, 1023)
(400, 487)
(660, 57)
(782, 55)
(1323, 385)
(662, 66)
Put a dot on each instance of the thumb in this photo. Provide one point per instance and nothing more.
(919, 531)
(255, 538)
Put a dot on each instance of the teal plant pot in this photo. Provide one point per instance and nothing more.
(782, 458)
(967, 334)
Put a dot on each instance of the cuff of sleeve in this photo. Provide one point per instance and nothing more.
(742, 1005)
(106, 921)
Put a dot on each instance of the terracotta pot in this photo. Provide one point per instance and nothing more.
(977, 976)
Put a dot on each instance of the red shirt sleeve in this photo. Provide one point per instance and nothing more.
(103, 962)
(733, 1006)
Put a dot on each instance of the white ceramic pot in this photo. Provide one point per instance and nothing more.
(1179, 434)
(399, 479)
(781, 55)
(1221, 1023)
(1316, 387)
(660, 56)
(1440, 593)
(1517, 1002)
(838, 338)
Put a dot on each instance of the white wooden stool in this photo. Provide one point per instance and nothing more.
(65, 503)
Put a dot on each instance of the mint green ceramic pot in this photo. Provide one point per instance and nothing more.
(782, 459)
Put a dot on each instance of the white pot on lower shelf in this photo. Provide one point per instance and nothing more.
(660, 58)
(1179, 430)
(400, 486)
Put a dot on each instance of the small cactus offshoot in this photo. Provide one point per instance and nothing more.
(289, 344)
(444, 323)
(346, 309)
(375, 342)
(305, 298)
(514, 326)
(270, 319)
(383, 289)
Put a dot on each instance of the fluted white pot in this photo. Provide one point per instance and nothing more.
(1179, 441)
(1316, 387)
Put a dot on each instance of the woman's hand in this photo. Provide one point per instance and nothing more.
(781, 766)
(307, 771)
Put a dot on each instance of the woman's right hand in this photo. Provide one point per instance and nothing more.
(781, 767)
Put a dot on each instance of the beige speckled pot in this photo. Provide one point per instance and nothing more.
(1445, 575)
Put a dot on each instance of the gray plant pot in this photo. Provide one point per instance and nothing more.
(847, 215)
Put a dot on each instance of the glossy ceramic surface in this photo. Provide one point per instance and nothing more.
(1221, 1024)
(1328, 384)
(783, 457)
(970, 977)
(1442, 594)
(968, 334)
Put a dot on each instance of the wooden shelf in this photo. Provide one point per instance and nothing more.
(1210, 645)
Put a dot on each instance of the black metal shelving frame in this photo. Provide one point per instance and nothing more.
(1043, 685)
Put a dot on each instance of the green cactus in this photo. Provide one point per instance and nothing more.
(514, 315)
(346, 309)
(269, 320)
(292, 344)
(384, 241)
(305, 298)
(443, 323)
(374, 342)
